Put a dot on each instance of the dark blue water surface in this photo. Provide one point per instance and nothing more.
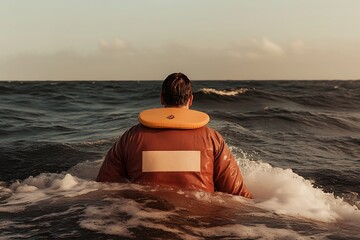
(309, 127)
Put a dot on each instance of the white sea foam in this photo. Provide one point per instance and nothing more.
(58, 214)
(206, 197)
(275, 189)
(4, 225)
(250, 232)
(86, 170)
(233, 92)
(43, 187)
(121, 216)
(109, 219)
(97, 142)
(285, 192)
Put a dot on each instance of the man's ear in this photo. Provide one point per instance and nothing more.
(190, 102)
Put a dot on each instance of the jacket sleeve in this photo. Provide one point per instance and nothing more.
(113, 168)
(227, 175)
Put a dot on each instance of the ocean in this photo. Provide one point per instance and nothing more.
(297, 144)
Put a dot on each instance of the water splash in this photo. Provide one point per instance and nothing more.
(285, 192)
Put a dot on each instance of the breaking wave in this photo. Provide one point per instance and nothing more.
(231, 92)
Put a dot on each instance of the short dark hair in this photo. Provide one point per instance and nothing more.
(176, 90)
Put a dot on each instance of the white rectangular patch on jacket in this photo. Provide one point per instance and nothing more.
(171, 161)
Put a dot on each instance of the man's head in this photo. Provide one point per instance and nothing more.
(176, 91)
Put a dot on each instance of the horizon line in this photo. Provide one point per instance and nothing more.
(153, 80)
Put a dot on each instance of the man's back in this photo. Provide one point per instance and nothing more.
(185, 159)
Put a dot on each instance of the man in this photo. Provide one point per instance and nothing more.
(173, 147)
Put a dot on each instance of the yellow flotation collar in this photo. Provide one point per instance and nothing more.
(177, 118)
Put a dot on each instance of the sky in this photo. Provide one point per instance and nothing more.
(205, 39)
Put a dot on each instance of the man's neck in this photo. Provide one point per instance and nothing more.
(186, 106)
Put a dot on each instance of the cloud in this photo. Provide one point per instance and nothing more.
(271, 47)
(256, 49)
(148, 64)
(117, 44)
(251, 59)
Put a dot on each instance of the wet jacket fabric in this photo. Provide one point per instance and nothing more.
(217, 171)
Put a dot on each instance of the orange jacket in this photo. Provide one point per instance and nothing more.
(131, 159)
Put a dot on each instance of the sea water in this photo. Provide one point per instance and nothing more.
(297, 144)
